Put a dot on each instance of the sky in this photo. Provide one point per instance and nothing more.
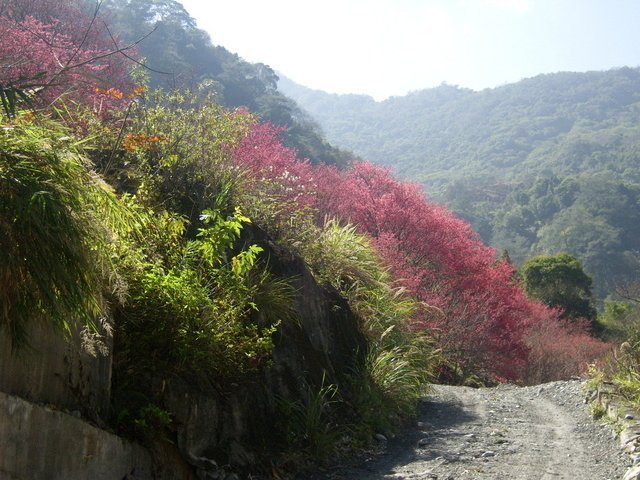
(388, 48)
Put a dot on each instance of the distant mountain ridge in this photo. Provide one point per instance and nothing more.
(430, 134)
(505, 158)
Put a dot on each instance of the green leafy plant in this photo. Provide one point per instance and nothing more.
(191, 306)
(196, 296)
(57, 220)
(311, 425)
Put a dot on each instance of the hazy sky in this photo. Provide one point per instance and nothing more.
(390, 47)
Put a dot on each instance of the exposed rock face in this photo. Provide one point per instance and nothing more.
(236, 426)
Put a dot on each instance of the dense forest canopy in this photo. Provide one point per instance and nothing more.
(545, 165)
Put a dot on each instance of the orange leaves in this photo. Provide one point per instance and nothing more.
(140, 141)
(119, 95)
(112, 92)
(136, 92)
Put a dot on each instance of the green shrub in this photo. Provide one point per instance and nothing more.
(174, 153)
(189, 308)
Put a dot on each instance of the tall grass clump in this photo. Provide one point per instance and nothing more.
(56, 219)
(399, 362)
(310, 423)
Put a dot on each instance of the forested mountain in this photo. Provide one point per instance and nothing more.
(485, 154)
(180, 55)
(228, 306)
(544, 165)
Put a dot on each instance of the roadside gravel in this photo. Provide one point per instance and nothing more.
(507, 432)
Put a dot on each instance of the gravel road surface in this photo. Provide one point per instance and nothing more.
(508, 432)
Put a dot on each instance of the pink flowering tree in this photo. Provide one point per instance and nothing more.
(62, 53)
(275, 170)
(471, 302)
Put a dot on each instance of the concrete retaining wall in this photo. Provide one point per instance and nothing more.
(58, 371)
(37, 443)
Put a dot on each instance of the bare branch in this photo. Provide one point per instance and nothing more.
(133, 59)
(629, 292)
(86, 32)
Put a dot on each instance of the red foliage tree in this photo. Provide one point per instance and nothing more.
(484, 322)
(275, 169)
(63, 52)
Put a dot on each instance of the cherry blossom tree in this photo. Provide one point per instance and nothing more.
(471, 301)
(63, 52)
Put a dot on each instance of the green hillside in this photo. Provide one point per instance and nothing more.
(177, 54)
(544, 165)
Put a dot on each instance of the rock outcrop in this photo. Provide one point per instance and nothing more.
(216, 429)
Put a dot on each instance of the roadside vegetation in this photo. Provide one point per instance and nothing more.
(620, 323)
(151, 212)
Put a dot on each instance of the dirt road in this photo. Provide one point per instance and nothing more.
(542, 432)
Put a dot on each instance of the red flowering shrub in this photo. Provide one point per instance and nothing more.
(559, 348)
(472, 304)
(62, 53)
(275, 170)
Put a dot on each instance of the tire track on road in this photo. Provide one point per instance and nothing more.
(507, 432)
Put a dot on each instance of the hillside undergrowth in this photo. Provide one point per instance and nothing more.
(174, 221)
